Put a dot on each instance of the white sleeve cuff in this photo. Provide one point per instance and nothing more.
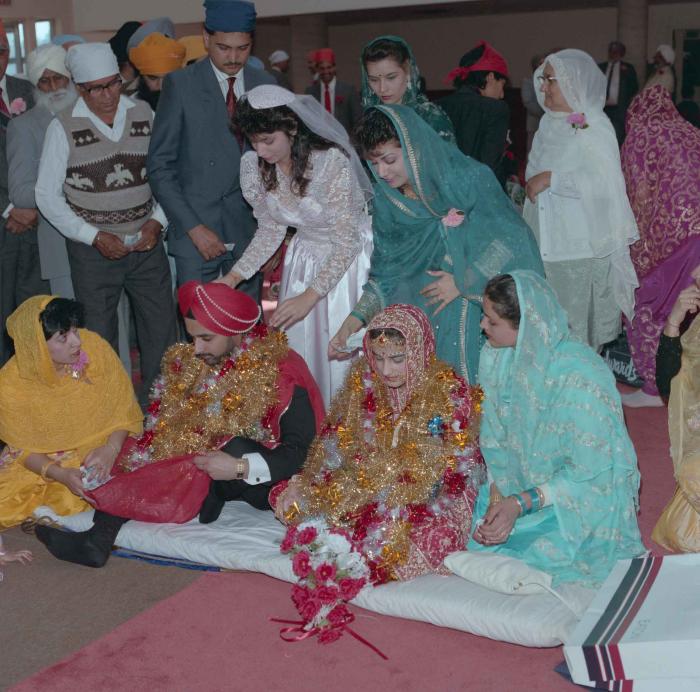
(159, 216)
(6, 213)
(258, 470)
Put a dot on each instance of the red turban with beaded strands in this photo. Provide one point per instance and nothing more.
(219, 308)
(490, 61)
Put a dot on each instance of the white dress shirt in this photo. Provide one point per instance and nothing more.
(331, 88)
(50, 197)
(3, 86)
(613, 93)
(222, 78)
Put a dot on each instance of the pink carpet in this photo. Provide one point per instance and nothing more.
(215, 634)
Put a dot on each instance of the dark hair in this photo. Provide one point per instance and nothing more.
(476, 78)
(374, 129)
(387, 333)
(617, 45)
(61, 315)
(501, 291)
(383, 49)
(145, 94)
(254, 121)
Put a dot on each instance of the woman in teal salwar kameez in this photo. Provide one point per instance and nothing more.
(442, 228)
(563, 474)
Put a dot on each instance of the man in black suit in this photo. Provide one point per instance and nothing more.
(16, 96)
(339, 99)
(622, 87)
(195, 155)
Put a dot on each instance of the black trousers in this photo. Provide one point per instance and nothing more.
(145, 276)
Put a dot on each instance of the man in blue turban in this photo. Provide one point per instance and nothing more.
(195, 153)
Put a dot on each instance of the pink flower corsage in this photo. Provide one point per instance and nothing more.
(577, 121)
(455, 217)
(18, 106)
(76, 369)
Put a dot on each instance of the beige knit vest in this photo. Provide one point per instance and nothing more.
(106, 182)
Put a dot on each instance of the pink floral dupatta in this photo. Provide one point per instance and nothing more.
(661, 165)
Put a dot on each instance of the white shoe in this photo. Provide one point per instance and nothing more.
(641, 399)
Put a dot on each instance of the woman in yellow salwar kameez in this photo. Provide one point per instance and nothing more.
(65, 401)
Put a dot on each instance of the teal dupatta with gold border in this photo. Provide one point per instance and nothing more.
(410, 238)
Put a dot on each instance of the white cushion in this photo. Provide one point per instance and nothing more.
(245, 538)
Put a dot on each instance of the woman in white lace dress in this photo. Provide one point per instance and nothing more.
(305, 174)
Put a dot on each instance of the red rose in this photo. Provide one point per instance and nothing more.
(370, 402)
(340, 99)
(307, 535)
(454, 482)
(145, 439)
(325, 571)
(300, 595)
(339, 615)
(301, 565)
(309, 610)
(328, 636)
(349, 588)
(327, 594)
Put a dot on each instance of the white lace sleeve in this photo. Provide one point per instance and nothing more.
(334, 192)
(270, 234)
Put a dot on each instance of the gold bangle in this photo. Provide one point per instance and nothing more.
(45, 468)
(240, 470)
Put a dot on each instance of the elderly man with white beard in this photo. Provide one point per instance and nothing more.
(42, 255)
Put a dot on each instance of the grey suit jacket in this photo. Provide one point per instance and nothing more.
(16, 88)
(194, 160)
(348, 108)
(25, 140)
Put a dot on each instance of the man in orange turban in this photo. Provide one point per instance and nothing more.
(156, 56)
(236, 408)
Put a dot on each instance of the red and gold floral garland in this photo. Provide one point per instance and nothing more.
(195, 407)
(379, 476)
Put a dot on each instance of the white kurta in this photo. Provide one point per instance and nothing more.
(330, 252)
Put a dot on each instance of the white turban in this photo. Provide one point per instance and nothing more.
(278, 56)
(48, 57)
(88, 62)
(667, 53)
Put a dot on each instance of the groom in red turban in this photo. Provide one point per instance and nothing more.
(237, 403)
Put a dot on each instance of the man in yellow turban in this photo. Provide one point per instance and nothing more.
(156, 56)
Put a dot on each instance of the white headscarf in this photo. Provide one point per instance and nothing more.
(320, 122)
(594, 152)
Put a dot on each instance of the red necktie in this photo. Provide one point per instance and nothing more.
(3, 105)
(231, 108)
(327, 98)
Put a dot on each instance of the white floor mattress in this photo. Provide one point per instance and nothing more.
(244, 538)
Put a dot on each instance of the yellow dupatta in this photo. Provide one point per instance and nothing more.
(44, 412)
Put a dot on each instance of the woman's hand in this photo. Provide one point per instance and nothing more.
(688, 302)
(70, 477)
(101, 460)
(287, 499)
(443, 291)
(337, 345)
(293, 310)
(538, 183)
(498, 522)
(231, 279)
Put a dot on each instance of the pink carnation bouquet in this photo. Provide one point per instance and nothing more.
(577, 121)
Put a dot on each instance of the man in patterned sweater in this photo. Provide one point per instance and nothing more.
(93, 187)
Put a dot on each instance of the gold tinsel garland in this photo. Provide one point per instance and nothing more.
(406, 473)
(189, 421)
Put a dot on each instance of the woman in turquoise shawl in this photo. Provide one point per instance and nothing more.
(395, 78)
(563, 471)
(439, 238)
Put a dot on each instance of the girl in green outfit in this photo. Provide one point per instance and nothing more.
(442, 228)
(390, 75)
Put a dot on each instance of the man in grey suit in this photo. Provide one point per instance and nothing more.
(16, 96)
(43, 257)
(195, 153)
(338, 98)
